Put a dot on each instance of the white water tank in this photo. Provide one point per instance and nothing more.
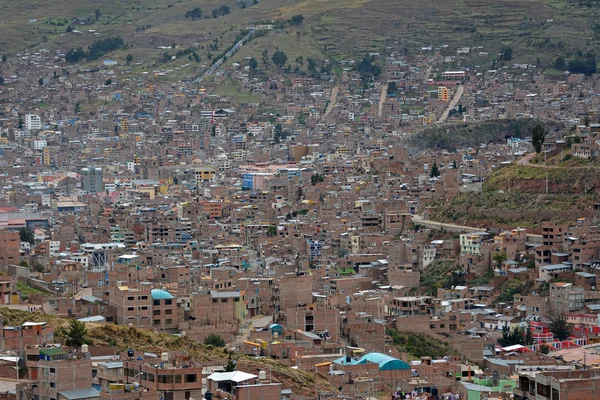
(164, 357)
(262, 375)
(84, 348)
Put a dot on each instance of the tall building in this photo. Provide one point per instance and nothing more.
(443, 93)
(91, 180)
(10, 243)
(33, 122)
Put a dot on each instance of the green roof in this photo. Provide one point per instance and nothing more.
(53, 351)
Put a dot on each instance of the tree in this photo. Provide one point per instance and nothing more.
(538, 136)
(297, 19)
(506, 54)
(97, 14)
(253, 64)
(316, 178)
(215, 13)
(27, 235)
(435, 171)
(518, 335)
(499, 258)
(69, 29)
(224, 10)
(279, 58)
(1, 80)
(214, 340)
(4, 58)
(128, 59)
(76, 334)
(194, 14)
(272, 231)
(108, 82)
(20, 123)
(560, 63)
(74, 55)
(453, 165)
(230, 366)
(559, 327)
(392, 88)
(41, 81)
(529, 340)
(278, 133)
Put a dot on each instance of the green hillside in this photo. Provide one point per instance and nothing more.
(533, 29)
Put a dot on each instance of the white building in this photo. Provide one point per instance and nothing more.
(39, 144)
(33, 122)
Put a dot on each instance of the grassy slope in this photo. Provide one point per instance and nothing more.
(125, 337)
(418, 345)
(511, 209)
(333, 28)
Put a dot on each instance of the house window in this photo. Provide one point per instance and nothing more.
(168, 302)
(130, 298)
(156, 322)
(156, 302)
(169, 312)
(190, 378)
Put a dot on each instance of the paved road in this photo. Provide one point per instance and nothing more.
(459, 92)
(526, 161)
(418, 219)
(228, 55)
(427, 74)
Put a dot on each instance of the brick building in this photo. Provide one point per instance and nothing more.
(10, 244)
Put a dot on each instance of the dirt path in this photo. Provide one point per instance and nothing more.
(452, 104)
(332, 100)
(381, 100)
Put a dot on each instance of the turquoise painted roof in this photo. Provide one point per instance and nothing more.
(159, 294)
(386, 363)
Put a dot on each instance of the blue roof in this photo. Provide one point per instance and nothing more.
(158, 294)
(386, 363)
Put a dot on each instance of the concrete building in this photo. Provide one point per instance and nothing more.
(443, 93)
(91, 180)
(566, 298)
(33, 122)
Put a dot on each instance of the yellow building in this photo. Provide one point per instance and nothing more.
(46, 156)
(443, 93)
(124, 125)
(204, 174)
